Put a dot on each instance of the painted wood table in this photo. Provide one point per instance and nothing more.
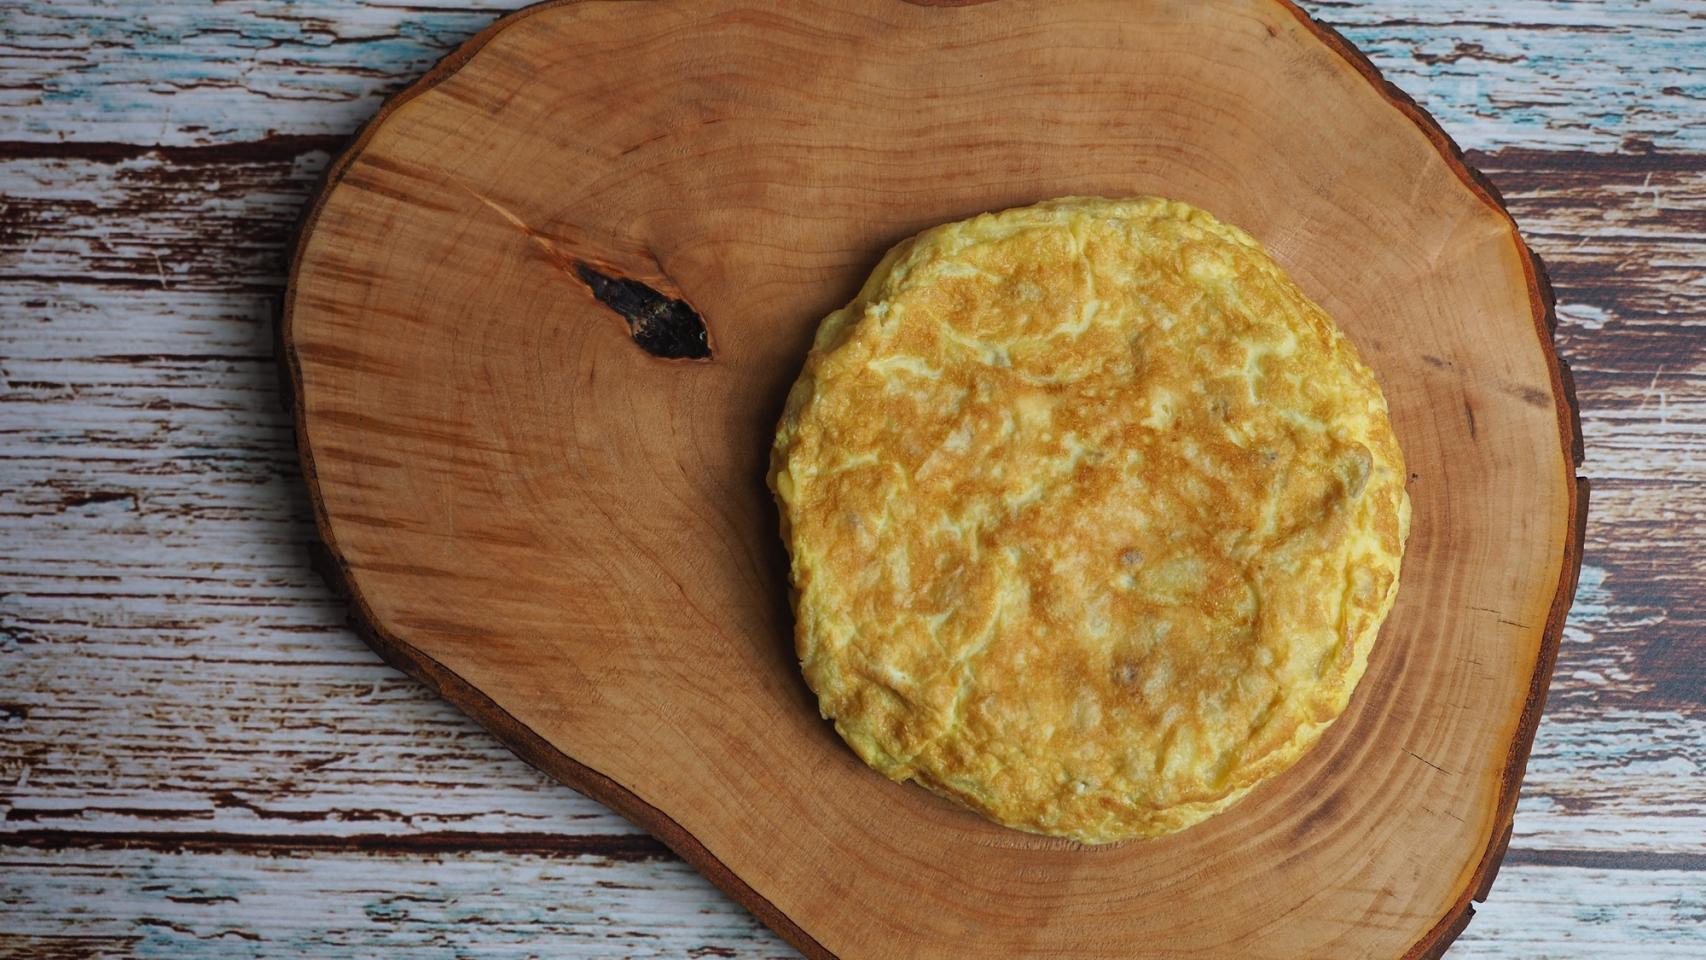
(197, 757)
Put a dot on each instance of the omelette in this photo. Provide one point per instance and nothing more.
(1093, 516)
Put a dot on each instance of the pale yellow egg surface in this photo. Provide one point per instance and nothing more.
(1093, 516)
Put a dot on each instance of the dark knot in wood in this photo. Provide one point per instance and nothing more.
(660, 325)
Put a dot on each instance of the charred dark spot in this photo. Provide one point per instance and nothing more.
(662, 326)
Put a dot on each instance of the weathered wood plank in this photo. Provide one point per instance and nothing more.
(241, 903)
(1495, 75)
(159, 605)
(1533, 73)
(1626, 241)
(178, 699)
(153, 222)
(1541, 913)
(189, 73)
(230, 904)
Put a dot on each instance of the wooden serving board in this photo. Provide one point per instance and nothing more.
(569, 536)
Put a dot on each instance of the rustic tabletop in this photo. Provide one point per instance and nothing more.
(197, 758)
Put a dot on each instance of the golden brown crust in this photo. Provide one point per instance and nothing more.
(1094, 516)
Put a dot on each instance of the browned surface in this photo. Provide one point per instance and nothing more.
(644, 662)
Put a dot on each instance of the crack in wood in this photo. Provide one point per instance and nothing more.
(665, 327)
(1429, 762)
(662, 326)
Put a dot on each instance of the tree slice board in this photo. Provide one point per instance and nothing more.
(540, 483)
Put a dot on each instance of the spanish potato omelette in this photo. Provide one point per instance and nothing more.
(1093, 516)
